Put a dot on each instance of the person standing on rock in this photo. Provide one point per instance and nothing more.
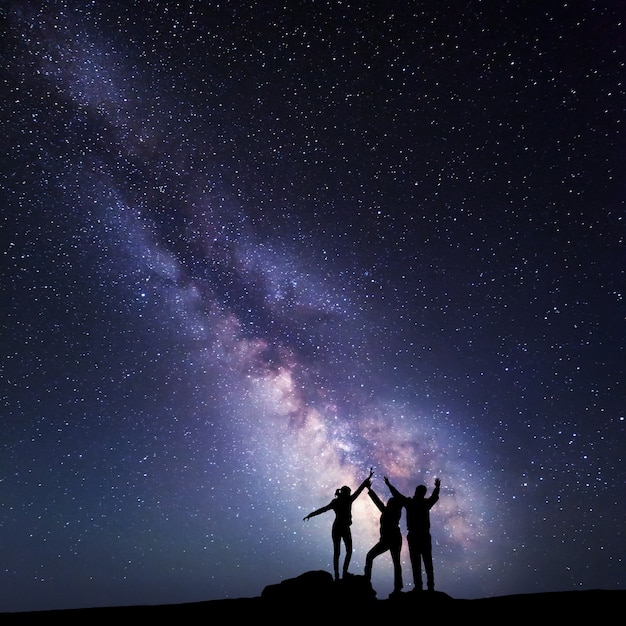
(418, 531)
(390, 537)
(341, 504)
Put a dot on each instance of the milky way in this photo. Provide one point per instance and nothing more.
(251, 250)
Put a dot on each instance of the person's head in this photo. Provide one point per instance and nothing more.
(420, 491)
(394, 503)
(344, 492)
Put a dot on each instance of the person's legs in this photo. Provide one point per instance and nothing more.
(378, 549)
(414, 556)
(397, 566)
(427, 555)
(347, 539)
(336, 548)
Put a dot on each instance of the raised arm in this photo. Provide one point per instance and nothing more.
(434, 496)
(366, 483)
(328, 507)
(394, 491)
(375, 499)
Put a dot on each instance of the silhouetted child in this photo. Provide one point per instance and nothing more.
(418, 531)
(341, 504)
(390, 537)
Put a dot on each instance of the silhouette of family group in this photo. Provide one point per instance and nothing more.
(418, 536)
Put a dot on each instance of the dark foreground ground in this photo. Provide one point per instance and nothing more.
(315, 596)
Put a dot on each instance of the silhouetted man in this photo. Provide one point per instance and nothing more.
(390, 537)
(418, 531)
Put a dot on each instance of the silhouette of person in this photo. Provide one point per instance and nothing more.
(341, 504)
(390, 537)
(418, 531)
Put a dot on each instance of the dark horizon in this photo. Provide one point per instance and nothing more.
(351, 598)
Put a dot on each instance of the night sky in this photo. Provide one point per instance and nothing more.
(252, 249)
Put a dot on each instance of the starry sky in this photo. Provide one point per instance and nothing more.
(252, 249)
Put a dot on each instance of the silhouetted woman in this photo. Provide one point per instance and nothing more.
(342, 505)
(390, 537)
